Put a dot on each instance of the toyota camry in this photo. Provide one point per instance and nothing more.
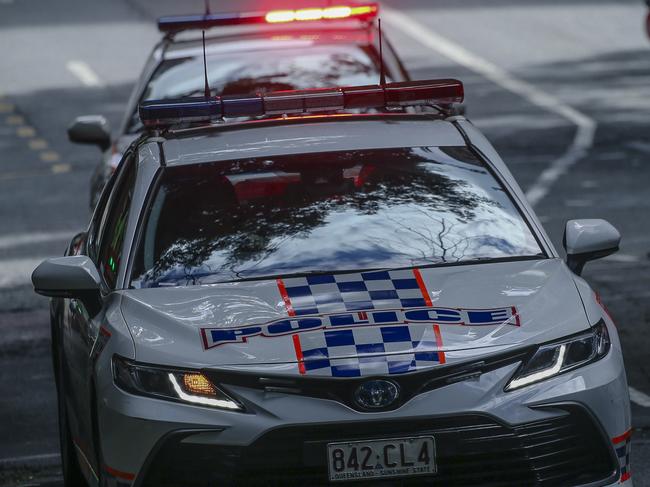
(323, 296)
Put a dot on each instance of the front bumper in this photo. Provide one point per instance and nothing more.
(472, 450)
(558, 432)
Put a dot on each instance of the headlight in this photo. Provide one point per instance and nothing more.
(556, 358)
(189, 386)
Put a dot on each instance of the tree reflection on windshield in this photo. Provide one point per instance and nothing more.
(327, 212)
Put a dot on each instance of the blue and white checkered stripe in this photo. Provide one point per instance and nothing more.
(623, 446)
(354, 292)
(370, 351)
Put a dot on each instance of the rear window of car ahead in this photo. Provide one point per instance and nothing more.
(249, 72)
(326, 212)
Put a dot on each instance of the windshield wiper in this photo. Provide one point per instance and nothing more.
(301, 274)
(475, 260)
(196, 278)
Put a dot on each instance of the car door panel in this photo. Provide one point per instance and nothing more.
(80, 329)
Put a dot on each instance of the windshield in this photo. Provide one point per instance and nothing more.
(326, 212)
(250, 72)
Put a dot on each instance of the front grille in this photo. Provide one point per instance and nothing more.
(333, 388)
(472, 450)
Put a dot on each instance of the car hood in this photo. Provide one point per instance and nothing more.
(356, 324)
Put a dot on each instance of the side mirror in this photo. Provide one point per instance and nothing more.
(91, 129)
(586, 240)
(70, 277)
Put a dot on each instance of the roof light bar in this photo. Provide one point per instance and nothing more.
(179, 23)
(163, 113)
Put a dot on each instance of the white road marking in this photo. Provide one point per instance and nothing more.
(84, 73)
(640, 398)
(579, 203)
(18, 272)
(623, 258)
(27, 459)
(589, 184)
(21, 239)
(640, 146)
(586, 126)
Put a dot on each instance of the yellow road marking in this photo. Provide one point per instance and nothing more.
(38, 144)
(14, 120)
(49, 156)
(61, 168)
(25, 131)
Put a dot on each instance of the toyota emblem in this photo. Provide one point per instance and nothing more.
(376, 394)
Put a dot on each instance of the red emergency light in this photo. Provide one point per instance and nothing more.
(360, 12)
(178, 23)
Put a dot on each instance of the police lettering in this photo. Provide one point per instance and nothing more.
(213, 337)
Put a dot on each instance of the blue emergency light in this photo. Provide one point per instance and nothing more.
(361, 12)
(164, 113)
(178, 23)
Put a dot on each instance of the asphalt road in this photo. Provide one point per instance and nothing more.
(561, 87)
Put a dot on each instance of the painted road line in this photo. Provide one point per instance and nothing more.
(21, 239)
(18, 272)
(15, 120)
(38, 144)
(84, 73)
(29, 459)
(639, 398)
(586, 126)
(25, 132)
(49, 156)
(61, 168)
(640, 146)
(623, 258)
(55, 169)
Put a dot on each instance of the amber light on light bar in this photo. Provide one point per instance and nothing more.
(327, 13)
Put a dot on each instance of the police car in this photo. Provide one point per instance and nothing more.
(322, 297)
(247, 52)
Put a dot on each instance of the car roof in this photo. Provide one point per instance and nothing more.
(308, 134)
(261, 38)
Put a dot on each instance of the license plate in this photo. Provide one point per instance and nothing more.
(397, 457)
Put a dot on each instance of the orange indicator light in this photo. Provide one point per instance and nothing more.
(198, 384)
